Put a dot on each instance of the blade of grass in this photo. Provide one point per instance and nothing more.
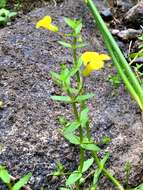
(119, 58)
(125, 79)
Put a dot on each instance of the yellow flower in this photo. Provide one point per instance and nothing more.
(93, 61)
(46, 23)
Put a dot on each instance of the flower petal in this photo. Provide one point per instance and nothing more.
(87, 57)
(44, 22)
(88, 69)
(95, 65)
(53, 28)
(104, 57)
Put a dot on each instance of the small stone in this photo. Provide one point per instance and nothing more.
(125, 4)
(138, 60)
(107, 15)
(129, 34)
(115, 31)
(134, 17)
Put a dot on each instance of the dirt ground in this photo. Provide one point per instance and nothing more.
(29, 128)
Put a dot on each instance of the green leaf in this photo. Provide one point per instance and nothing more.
(72, 127)
(22, 182)
(65, 75)
(84, 117)
(75, 69)
(138, 54)
(140, 187)
(61, 98)
(4, 175)
(75, 176)
(72, 138)
(64, 188)
(93, 188)
(105, 140)
(78, 28)
(56, 173)
(84, 97)
(98, 171)
(71, 23)
(12, 14)
(87, 164)
(2, 19)
(81, 45)
(90, 146)
(4, 12)
(3, 3)
(55, 75)
(65, 44)
(141, 46)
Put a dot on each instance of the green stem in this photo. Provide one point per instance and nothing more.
(9, 186)
(75, 57)
(75, 110)
(113, 45)
(107, 173)
(74, 104)
(81, 136)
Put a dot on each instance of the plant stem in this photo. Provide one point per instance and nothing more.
(124, 66)
(74, 104)
(9, 186)
(75, 57)
(107, 173)
(76, 114)
(81, 136)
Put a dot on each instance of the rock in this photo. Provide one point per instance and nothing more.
(134, 17)
(126, 4)
(138, 60)
(125, 35)
(107, 15)
(115, 31)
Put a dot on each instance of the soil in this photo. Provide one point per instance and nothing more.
(29, 129)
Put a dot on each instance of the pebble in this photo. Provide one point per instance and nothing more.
(107, 15)
(128, 34)
(134, 17)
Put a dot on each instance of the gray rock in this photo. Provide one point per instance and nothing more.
(134, 17)
(128, 34)
(138, 60)
(125, 5)
(107, 15)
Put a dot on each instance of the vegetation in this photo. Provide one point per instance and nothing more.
(72, 81)
(125, 71)
(11, 185)
(5, 14)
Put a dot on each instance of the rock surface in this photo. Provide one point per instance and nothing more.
(128, 34)
(29, 128)
(134, 17)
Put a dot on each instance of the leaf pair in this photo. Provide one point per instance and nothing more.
(5, 16)
(76, 25)
(5, 177)
(76, 175)
(68, 99)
